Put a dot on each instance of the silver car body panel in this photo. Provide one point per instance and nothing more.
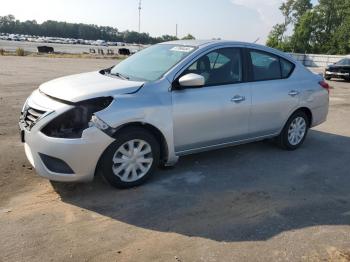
(190, 120)
(85, 86)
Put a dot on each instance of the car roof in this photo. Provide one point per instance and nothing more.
(199, 43)
(208, 43)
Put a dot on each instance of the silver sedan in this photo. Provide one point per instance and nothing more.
(169, 100)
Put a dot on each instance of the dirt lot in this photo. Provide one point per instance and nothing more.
(248, 203)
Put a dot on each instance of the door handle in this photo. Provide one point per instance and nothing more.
(238, 99)
(293, 93)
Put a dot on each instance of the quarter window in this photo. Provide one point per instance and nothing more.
(219, 67)
(286, 67)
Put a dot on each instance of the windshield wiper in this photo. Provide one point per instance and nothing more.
(120, 76)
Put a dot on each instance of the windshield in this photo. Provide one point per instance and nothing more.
(345, 62)
(151, 63)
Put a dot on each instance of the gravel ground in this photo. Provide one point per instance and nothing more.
(247, 203)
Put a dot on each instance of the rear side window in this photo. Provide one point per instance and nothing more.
(286, 67)
(266, 66)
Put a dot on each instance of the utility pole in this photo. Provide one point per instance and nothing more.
(140, 24)
(140, 16)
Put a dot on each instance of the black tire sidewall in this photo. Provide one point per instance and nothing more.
(284, 142)
(125, 135)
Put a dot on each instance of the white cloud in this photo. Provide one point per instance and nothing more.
(268, 10)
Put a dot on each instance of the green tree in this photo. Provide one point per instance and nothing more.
(303, 40)
(188, 37)
(276, 37)
(8, 24)
(292, 11)
(324, 28)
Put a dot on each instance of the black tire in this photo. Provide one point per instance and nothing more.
(125, 135)
(283, 140)
(328, 78)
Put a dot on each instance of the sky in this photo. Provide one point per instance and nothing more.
(242, 20)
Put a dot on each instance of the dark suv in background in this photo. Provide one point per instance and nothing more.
(340, 70)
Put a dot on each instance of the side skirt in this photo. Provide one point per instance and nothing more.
(223, 145)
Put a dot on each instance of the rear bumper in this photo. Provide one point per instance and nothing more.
(81, 155)
(319, 115)
(337, 75)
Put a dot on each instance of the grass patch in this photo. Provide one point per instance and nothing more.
(20, 52)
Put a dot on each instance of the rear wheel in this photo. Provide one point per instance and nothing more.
(295, 131)
(131, 159)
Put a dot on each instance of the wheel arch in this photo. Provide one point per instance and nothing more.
(308, 113)
(164, 150)
(304, 109)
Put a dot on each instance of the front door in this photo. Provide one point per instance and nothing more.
(218, 112)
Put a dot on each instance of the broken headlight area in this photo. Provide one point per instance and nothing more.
(72, 123)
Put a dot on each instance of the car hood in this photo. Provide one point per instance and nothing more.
(85, 86)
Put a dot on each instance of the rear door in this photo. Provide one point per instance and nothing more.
(274, 94)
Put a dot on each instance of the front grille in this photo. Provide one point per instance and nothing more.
(30, 116)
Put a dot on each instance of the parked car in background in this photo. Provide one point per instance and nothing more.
(166, 101)
(339, 70)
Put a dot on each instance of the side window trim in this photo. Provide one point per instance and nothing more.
(250, 65)
(243, 65)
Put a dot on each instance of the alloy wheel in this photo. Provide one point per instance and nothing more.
(297, 131)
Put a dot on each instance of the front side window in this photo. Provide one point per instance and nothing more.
(152, 63)
(265, 66)
(219, 67)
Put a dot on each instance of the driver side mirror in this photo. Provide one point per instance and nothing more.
(192, 80)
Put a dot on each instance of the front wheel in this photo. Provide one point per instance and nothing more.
(131, 159)
(295, 131)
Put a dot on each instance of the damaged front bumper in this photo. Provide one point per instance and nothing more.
(60, 159)
(79, 155)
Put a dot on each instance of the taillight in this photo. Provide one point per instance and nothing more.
(325, 85)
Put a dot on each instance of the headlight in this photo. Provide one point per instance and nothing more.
(72, 123)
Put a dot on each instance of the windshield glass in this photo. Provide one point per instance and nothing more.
(151, 63)
(345, 61)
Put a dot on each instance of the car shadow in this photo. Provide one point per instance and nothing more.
(244, 193)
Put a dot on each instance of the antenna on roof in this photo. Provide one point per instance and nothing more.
(256, 40)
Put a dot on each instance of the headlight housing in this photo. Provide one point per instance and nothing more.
(72, 123)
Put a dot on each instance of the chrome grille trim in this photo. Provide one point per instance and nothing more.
(30, 116)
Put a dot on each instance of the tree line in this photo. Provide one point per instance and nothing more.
(9, 24)
(323, 28)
